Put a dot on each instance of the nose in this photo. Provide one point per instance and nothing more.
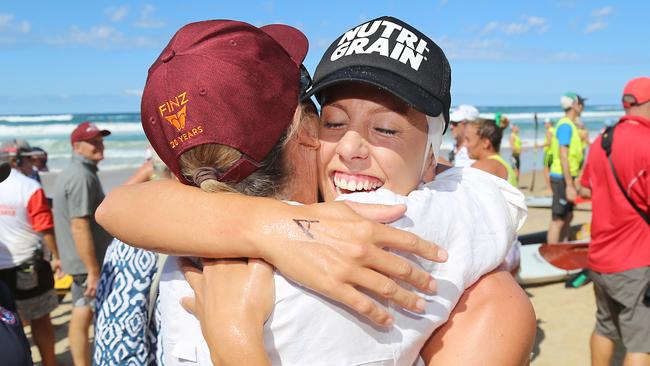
(352, 146)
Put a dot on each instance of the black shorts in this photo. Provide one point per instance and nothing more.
(560, 206)
(515, 162)
(26, 282)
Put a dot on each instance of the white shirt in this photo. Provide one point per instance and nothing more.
(461, 159)
(472, 214)
(20, 202)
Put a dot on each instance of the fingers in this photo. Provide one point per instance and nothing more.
(389, 289)
(395, 266)
(188, 304)
(363, 305)
(191, 273)
(409, 242)
(378, 213)
(261, 267)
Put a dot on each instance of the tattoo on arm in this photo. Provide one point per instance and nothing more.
(305, 225)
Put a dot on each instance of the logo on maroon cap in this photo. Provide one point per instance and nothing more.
(177, 119)
(174, 111)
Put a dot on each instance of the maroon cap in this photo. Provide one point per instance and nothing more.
(86, 131)
(223, 82)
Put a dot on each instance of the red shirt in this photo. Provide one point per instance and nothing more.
(620, 238)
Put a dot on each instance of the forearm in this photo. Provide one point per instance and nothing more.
(142, 174)
(564, 162)
(188, 221)
(584, 192)
(50, 242)
(83, 240)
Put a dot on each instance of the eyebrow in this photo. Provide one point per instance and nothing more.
(380, 109)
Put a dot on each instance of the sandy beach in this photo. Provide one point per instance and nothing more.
(565, 317)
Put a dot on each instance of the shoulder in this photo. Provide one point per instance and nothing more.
(491, 166)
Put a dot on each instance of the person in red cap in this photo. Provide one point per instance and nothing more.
(617, 178)
(82, 242)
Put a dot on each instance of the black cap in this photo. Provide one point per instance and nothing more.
(389, 53)
(5, 169)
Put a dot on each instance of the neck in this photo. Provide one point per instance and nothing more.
(572, 115)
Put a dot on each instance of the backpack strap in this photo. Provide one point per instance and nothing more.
(155, 282)
(606, 142)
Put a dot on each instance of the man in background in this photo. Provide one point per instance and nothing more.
(457, 119)
(619, 252)
(83, 243)
(567, 154)
(14, 347)
(25, 223)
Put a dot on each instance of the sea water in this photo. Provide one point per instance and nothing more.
(125, 147)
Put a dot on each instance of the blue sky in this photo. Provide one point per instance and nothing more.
(92, 56)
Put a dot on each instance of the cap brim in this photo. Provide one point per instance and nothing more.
(105, 132)
(291, 39)
(412, 94)
(5, 170)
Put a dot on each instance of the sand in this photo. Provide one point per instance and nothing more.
(565, 317)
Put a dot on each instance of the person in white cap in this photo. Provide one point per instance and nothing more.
(457, 119)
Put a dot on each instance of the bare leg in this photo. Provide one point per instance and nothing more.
(602, 350)
(547, 179)
(636, 359)
(566, 227)
(43, 336)
(554, 231)
(78, 334)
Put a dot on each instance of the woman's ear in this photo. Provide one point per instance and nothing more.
(307, 138)
(429, 168)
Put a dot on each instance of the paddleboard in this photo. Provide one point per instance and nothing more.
(547, 202)
(566, 256)
(535, 269)
(539, 201)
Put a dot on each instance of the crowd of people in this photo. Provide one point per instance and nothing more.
(300, 267)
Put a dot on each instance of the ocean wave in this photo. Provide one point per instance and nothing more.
(555, 115)
(36, 119)
(65, 129)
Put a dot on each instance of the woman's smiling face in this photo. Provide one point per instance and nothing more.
(369, 139)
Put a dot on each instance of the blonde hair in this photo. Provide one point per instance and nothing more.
(267, 181)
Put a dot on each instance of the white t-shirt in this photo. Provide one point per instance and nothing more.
(24, 213)
(472, 214)
(462, 159)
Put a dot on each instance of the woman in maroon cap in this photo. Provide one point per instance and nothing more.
(305, 226)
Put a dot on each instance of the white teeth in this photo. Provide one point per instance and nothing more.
(341, 183)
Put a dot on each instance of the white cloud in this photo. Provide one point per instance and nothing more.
(147, 20)
(472, 49)
(6, 19)
(116, 14)
(595, 26)
(530, 23)
(601, 12)
(100, 36)
(133, 92)
(9, 24)
(24, 26)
